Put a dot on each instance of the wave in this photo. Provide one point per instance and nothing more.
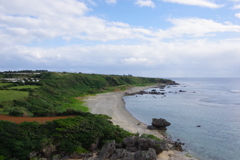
(235, 91)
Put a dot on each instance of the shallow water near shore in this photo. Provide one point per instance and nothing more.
(212, 103)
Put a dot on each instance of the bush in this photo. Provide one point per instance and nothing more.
(1, 106)
(2, 157)
(18, 112)
(150, 136)
(73, 134)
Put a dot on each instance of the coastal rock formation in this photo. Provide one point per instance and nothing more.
(144, 92)
(107, 150)
(181, 91)
(178, 146)
(160, 123)
(133, 148)
(145, 155)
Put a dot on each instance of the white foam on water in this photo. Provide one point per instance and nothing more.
(235, 91)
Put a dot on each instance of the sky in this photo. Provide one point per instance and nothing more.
(150, 38)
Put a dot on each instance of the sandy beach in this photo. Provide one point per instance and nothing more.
(113, 105)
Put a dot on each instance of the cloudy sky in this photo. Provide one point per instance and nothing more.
(154, 38)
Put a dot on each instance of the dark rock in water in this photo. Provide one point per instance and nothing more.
(181, 91)
(162, 87)
(198, 126)
(177, 146)
(160, 123)
(145, 155)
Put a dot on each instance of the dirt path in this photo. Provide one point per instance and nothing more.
(29, 119)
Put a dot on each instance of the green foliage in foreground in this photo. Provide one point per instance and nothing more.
(57, 91)
(75, 134)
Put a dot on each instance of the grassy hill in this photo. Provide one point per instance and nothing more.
(56, 92)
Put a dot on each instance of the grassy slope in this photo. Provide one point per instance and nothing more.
(5, 84)
(57, 91)
(7, 95)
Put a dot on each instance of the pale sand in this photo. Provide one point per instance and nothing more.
(113, 105)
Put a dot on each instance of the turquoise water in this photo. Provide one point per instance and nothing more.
(213, 103)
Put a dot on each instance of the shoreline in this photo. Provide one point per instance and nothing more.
(113, 105)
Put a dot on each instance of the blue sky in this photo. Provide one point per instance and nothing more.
(154, 38)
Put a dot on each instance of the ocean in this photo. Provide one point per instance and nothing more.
(212, 103)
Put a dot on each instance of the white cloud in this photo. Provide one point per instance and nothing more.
(70, 23)
(236, 6)
(195, 27)
(137, 61)
(55, 22)
(111, 1)
(237, 15)
(235, 0)
(43, 8)
(160, 59)
(202, 3)
(145, 3)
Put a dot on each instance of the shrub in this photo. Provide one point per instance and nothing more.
(18, 111)
(144, 135)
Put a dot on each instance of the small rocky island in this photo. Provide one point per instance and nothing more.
(160, 124)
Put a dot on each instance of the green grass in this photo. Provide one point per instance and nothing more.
(25, 87)
(5, 84)
(144, 135)
(76, 104)
(7, 95)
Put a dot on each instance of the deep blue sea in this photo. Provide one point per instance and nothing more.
(213, 103)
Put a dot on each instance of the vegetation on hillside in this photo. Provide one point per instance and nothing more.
(68, 135)
(55, 95)
(55, 92)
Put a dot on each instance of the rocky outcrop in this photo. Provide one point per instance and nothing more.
(160, 123)
(178, 146)
(107, 150)
(144, 92)
(145, 155)
(181, 91)
(132, 148)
